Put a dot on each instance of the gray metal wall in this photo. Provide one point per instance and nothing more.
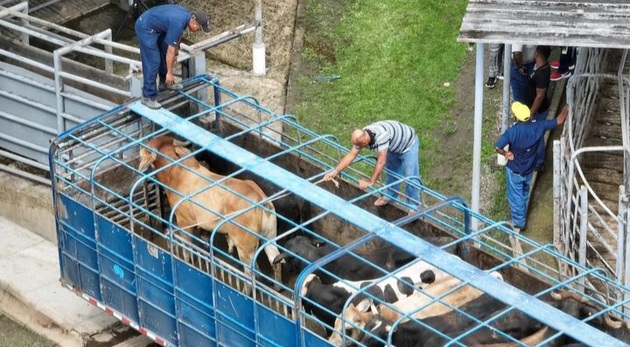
(28, 119)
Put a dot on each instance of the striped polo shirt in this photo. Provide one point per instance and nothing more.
(391, 135)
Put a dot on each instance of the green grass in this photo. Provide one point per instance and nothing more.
(498, 209)
(16, 335)
(393, 58)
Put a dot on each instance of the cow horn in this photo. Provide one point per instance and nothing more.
(281, 258)
(566, 295)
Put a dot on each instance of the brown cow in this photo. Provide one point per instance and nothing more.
(190, 177)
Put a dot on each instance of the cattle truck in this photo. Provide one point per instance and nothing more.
(121, 249)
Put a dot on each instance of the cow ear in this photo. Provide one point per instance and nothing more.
(182, 151)
(146, 159)
(364, 305)
(178, 143)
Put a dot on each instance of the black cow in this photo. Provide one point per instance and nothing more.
(412, 334)
(346, 267)
(326, 301)
(513, 323)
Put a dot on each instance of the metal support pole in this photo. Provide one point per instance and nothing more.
(624, 222)
(135, 85)
(109, 64)
(505, 104)
(57, 55)
(260, 67)
(478, 125)
(25, 22)
(557, 202)
(583, 226)
(622, 244)
(621, 239)
(197, 66)
(505, 101)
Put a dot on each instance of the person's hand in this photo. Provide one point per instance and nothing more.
(170, 79)
(364, 184)
(522, 70)
(332, 174)
(509, 155)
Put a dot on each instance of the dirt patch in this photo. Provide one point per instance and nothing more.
(278, 29)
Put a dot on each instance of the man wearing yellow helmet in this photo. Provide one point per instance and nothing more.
(523, 139)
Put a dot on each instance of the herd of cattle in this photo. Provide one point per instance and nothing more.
(358, 303)
(369, 311)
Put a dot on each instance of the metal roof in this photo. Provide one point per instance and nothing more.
(594, 23)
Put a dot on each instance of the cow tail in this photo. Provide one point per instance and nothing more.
(270, 230)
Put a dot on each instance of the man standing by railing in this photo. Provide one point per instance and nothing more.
(159, 31)
(523, 138)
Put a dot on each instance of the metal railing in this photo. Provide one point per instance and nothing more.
(57, 84)
(61, 85)
(587, 229)
(95, 166)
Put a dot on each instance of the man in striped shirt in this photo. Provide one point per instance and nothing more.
(397, 147)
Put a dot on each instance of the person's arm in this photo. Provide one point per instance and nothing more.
(501, 143)
(563, 115)
(171, 59)
(507, 154)
(517, 56)
(343, 163)
(538, 100)
(381, 159)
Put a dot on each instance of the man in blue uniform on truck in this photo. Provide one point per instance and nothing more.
(523, 138)
(159, 31)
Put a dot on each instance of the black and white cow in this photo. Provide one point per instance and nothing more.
(513, 323)
(347, 266)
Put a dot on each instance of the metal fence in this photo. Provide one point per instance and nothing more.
(47, 87)
(588, 230)
(119, 243)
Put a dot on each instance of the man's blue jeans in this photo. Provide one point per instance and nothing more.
(406, 165)
(517, 195)
(153, 56)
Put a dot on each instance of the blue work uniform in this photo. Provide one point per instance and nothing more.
(156, 29)
(524, 140)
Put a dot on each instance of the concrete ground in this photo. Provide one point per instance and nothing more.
(30, 292)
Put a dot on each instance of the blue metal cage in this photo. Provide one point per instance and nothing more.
(121, 249)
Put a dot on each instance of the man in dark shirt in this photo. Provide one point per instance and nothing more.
(523, 138)
(159, 31)
(537, 100)
(397, 147)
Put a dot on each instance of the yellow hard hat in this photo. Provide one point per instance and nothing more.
(521, 111)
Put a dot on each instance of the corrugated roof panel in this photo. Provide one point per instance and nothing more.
(554, 23)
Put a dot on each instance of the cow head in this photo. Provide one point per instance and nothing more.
(376, 330)
(305, 248)
(580, 307)
(355, 319)
(308, 282)
(164, 144)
